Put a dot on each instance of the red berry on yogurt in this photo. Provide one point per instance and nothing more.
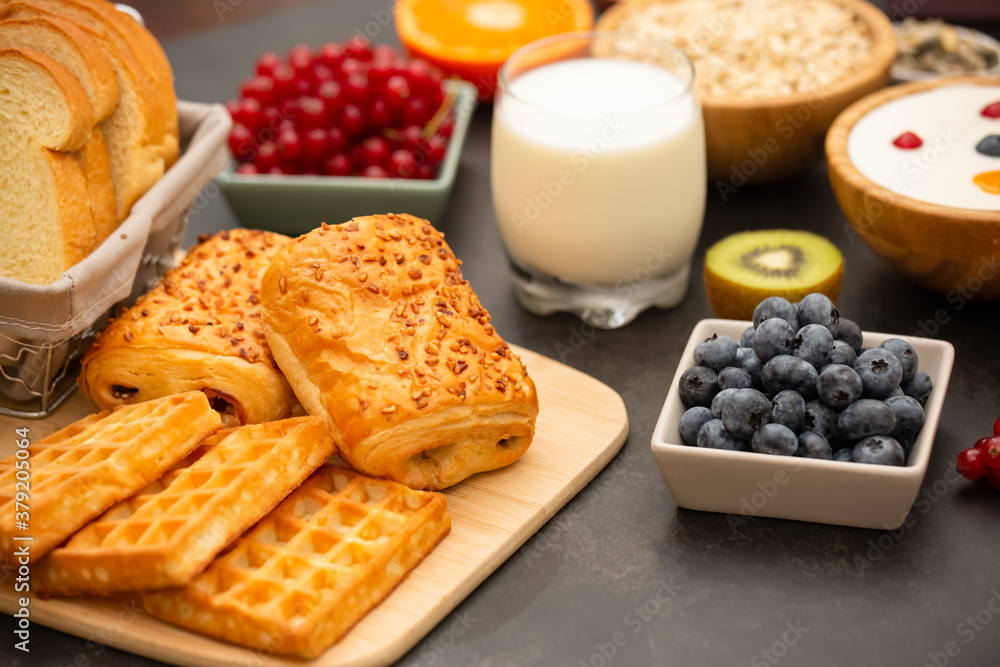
(907, 141)
(991, 110)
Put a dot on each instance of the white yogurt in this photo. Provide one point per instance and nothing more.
(948, 120)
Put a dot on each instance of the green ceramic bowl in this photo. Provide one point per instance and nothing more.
(294, 205)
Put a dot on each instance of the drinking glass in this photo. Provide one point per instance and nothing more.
(598, 174)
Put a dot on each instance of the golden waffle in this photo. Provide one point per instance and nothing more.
(313, 567)
(87, 467)
(170, 531)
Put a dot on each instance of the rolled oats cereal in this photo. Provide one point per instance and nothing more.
(758, 48)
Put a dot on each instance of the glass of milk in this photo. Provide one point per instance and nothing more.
(598, 174)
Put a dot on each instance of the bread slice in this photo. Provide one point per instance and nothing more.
(44, 116)
(82, 56)
(131, 36)
(135, 131)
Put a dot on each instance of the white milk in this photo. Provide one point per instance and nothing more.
(599, 171)
(948, 121)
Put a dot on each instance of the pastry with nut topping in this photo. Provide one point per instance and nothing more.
(378, 333)
(199, 329)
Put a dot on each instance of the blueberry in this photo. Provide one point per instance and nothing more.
(734, 378)
(819, 418)
(745, 411)
(741, 355)
(989, 145)
(909, 418)
(774, 439)
(844, 454)
(788, 408)
(773, 337)
(817, 308)
(776, 307)
(849, 332)
(864, 418)
(788, 372)
(691, 423)
(715, 436)
(919, 387)
(719, 399)
(746, 339)
(814, 344)
(906, 355)
(814, 446)
(879, 449)
(716, 352)
(898, 391)
(838, 386)
(880, 372)
(698, 386)
(753, 365)
(843, 353)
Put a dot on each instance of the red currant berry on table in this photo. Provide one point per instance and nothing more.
(971, 463)
(990, 448)
(996, 427)
(993, 477)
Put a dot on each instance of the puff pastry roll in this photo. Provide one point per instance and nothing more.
(198, 329)
(377, 332)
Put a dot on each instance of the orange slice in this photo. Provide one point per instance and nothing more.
(471, 39)
(988, 181)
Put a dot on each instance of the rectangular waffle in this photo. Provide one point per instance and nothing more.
(170, 531)
(87, 467)
(313, 567)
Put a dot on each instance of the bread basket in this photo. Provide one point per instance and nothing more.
(45, 328)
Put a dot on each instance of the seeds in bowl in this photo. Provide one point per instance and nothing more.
(758, 48)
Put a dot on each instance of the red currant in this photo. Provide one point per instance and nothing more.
(331, 55)
(402, 163)
(338, 164)
(351, 66)
(379, 113)
(303, 85)
(376, 150)
(908, 141)
(379, 73)
(356, 88)
(996, 424)
(397, 91)
(416, 111)
(446, 128)
(266, 64)
(426, 172)
(322, 74)
(284, 82)
(991, 110)
(260, 88)
(990, 447)
(289, 145)
(993, 477)
(248, 169)
(336, 139)
(241, 142)
(358, 46)
(315, 146)
(233, 107)
(250, 114)
(971, 463)
(300, 55)
(267, 157)
(333, 96)
(436, 148)
(374, 171)
(352, 120)
(383, 53)
(425, 81)
(272, 117)
(313, 113)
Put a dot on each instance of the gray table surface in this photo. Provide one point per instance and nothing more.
(622, 576)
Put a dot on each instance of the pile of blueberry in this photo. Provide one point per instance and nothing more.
(983, 458)
(800, 383)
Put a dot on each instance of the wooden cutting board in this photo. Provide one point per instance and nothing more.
(582, 423)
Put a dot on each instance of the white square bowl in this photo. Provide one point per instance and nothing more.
(788, 487)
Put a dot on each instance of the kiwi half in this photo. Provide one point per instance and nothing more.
(743, 269)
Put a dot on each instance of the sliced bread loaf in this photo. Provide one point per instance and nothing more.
(45, 115)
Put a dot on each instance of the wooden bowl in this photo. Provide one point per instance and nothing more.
(950, 250)
(760, 140)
